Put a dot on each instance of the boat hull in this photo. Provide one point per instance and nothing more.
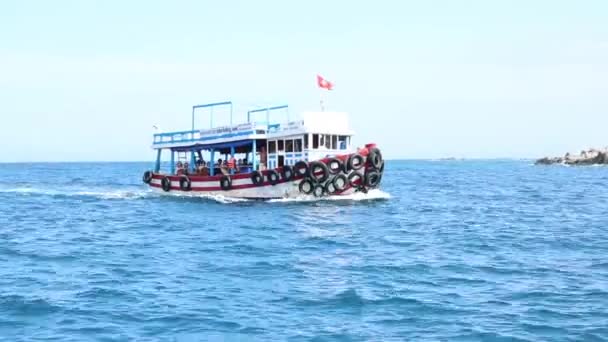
(243, 186)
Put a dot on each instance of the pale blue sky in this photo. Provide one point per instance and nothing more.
(85, 80)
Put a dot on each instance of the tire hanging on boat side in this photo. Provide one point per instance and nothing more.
(225, 183)
(352, 179)
(184, 183)
(340, 182)
(166, 183)
(374, 157)
(147, 177)
(301, 169)
(257, 178)
(287, 172)
(355, 162)
(315, 167)
(335, 165)
(372, 178)
(306, 186)
(318, 191)
(329, 187)
(273, 177)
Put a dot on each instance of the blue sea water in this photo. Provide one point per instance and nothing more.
(448, 251)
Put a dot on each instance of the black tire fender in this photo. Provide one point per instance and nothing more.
(147, 177)
(352, 179)
(335, 165)
(374, 157)
(225, 183)
(287, 172)
(372, 178)
(257, 178)
(314, 167)
(184, 183)
(318, 191)
(301, 169)
(273, 177)
(340, 182)
(166, 183)
(329, 188)
(355, 162)
(306, 186)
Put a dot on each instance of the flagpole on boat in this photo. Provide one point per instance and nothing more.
(323, 84)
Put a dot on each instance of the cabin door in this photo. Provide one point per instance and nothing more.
(281, 161)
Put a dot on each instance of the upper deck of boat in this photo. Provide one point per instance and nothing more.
(233, 135)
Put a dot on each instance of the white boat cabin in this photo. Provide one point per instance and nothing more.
(317, 135)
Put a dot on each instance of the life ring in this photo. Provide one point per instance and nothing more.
(340, 182)
(318, 191)
(375, 158)
(306, 186)
(273, 177)
(147, 178)
(372, 178)
(166, 183)
(329, 188)
(335, 165)
(225, 183)
(184, 183)
(257, 178)
(353, 177)
(317, 166)
(355, 162)
(287, 172)
(301, 169)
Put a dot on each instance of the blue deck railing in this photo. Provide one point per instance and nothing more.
(225, 132)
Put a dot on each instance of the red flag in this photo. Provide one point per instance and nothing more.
(323, 83)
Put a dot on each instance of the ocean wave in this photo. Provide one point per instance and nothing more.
(101, 194)
(122, 194)
(26, 306)
(351, 298)
(374, 194)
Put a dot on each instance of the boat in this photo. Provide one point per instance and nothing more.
(261, 159)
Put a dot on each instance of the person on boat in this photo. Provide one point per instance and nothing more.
(180, 168)
(232, 166)
(200, 169)
(224, 168)
(263, 158)
(203, 170)
(186, 168)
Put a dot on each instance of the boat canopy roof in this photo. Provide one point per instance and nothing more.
(242, 135)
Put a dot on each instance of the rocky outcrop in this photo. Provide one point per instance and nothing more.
(588, 157)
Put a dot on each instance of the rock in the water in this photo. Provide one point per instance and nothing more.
(588, 157)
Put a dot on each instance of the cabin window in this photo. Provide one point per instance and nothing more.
(334, 142)
(280, 142)
(321, 140)
(327, 141)
(297, 145)
(315, 141)
(342, 142)
(306, 141)
(289, 145)
(272, 147)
